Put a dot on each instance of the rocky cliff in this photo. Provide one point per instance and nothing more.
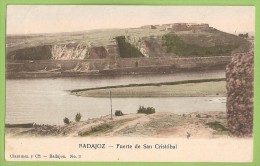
(138, 42)
(240, 93)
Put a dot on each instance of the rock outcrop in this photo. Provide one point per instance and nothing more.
(31, 53)
(196, 40)
(79, 51)
(240, 93)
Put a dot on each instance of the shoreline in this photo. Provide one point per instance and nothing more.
(187, 88)
(80, 68)
(162, 124)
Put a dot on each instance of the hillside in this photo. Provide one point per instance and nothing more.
(162, 41)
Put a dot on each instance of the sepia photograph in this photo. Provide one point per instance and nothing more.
(177, 81)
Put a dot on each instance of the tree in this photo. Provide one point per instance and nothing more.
(78, 117)
(66, 120)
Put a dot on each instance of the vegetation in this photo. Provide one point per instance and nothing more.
(175, 45)
(66, 120)
(148, 110)
(102, 37)
(78, 117)
(118, 113)
(32, 53)
(220, 129)
(96, 129)
(243, 35)
(38, 47)
(126, 49)
(217, 126)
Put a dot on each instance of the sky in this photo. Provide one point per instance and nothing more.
(27, 19)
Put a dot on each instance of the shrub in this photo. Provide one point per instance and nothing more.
(220, 51)
(174, 44)
(194, 53)
(217, 126)
(97, 129)
(119, 113)
(198, 116)
(147, 110)
(208, 52)
(78, 117)
(66, 120)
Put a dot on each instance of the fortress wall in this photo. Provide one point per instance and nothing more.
(86, 65)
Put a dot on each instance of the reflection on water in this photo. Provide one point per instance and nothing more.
(46, 101)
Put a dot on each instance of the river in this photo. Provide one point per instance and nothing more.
(47, 101)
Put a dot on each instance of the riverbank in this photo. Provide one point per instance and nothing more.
(188, 88)
(104, 67)
(163, 124)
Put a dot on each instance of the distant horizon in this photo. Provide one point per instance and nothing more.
(90, 30)
(54, 19)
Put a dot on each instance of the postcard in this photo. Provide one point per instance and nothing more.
(125, 83)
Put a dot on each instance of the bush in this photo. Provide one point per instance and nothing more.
(119, 113)
(147, 110)
(194, 53)
(78, 117)
(174, 44)
(97, 129)
(208, 52)
(217, 126)
(66, 120)
(220, 51)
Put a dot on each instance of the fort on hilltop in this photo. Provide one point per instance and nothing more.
(151, 48)
(178, 26)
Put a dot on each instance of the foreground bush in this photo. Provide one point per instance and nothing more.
(78, 117)
(66, 120)
(147, 110)
(119, 113)
(97, 129)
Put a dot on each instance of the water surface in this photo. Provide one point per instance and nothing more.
(47, 101)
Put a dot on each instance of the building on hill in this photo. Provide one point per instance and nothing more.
(177, 26)
(180, 27)
(199, 26)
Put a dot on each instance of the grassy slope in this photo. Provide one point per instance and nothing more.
(214, 39)
(175, 44)
(187, 90)
(94, 38)
(209, 41)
